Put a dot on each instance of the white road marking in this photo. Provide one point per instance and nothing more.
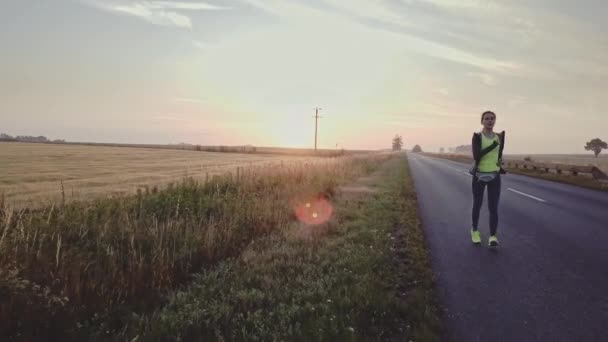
(524, 194)
(453, 168)
(510, 189)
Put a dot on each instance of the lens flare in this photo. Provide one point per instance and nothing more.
(313, 211)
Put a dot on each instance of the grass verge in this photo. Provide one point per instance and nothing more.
(362, 276)
(566, 179)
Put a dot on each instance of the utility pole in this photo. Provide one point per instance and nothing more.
(317, 109)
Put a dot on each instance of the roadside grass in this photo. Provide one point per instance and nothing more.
(362, 276)
(225, 261)
(70, 266)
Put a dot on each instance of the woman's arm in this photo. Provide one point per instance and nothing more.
(502, 144)
(476, 147)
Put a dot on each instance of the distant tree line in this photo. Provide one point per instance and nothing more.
(235, 149)
(397, 142)
(461, 149)
(29, 138)
(594, 145)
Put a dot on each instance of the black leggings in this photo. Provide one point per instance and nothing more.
(493, 197)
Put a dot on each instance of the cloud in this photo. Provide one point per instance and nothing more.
(486, 78)
(487, 35)
(470, 4)
(171, 118)
(184, 5)
(200, 45)
(380, 18)
(365, 8)
(188, 100)
(163, 13)
(158, 17)
(516, 100)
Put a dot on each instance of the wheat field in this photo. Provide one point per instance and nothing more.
(89, 267)
(34, 174)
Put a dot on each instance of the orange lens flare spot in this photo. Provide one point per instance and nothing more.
(313, 212)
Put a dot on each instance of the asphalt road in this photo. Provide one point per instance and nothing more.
(548, 279)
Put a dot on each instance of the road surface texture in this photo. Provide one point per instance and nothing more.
(548, 279)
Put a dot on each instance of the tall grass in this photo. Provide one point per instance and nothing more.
(365, 276)
(67, 263)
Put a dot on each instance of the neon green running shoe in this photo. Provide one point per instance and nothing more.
(493, 242)
(475, 237)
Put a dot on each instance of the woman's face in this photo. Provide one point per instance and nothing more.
(488, 121)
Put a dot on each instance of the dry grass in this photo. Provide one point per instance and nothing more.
(293, 151)
(70, 261)
(364, 276)
(600, 162)
(32, 174)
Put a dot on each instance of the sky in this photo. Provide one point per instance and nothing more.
(236, 72)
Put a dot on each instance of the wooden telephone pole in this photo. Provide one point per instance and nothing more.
(317, 109)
